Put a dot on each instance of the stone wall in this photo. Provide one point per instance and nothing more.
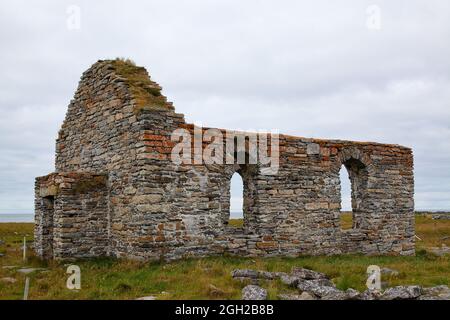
(72, 215)
(119, 126)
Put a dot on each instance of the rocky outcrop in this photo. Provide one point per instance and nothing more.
(312, 285)
(389, 272)
(435, 293)
(441, 216)
(254, 274)
(440, 251)
(402, 293)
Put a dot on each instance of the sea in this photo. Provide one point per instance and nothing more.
(16, 217)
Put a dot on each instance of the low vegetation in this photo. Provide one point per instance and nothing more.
(146, 92)
(209, 278)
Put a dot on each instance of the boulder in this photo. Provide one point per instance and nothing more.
(441, 216)
(389, 272)
(352, 294)
(312, 285)
(244, 273)
(440, 251)
(307, 274)
(330, 293)
(435, 293)
(402, 293)
(289, 280)
(255, 274)
(370, 294)
(253, 292)
(303, 296)
(270, 275)
(322, 288)
(8, 280)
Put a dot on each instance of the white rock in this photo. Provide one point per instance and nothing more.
(8, 280)
(147, 298)
(402, 293)
(253, 292)
(303, 296)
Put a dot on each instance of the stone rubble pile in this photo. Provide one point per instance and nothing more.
(313, 285)
(440, 251)
(441, 216)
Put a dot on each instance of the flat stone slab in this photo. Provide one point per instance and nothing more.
(441, 216)
(440, 251)
(30, 270)
(389, 272)
(8, 280)
(303, 296)
(402, 293)
(147, 298)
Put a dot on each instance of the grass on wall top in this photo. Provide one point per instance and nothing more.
(147, 93)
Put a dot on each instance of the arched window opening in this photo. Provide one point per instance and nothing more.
(354, 179)
(236, 201)
(346, 214)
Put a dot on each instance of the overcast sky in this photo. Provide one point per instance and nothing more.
(369, 70)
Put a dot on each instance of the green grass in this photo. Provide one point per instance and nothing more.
(236, 223)
(346, 220)
(199, 278)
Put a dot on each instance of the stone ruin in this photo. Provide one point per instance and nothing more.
(116, 191)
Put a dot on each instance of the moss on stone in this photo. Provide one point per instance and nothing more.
(147, 93)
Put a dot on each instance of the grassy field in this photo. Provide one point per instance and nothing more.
(209, 278)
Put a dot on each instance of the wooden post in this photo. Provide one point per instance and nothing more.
(24, 249)
(27, 287)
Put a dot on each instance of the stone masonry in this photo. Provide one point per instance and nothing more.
(116, 192)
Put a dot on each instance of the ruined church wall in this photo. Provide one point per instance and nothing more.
(100, 130)
(184, 208)
(119, 127)
(301, 204)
